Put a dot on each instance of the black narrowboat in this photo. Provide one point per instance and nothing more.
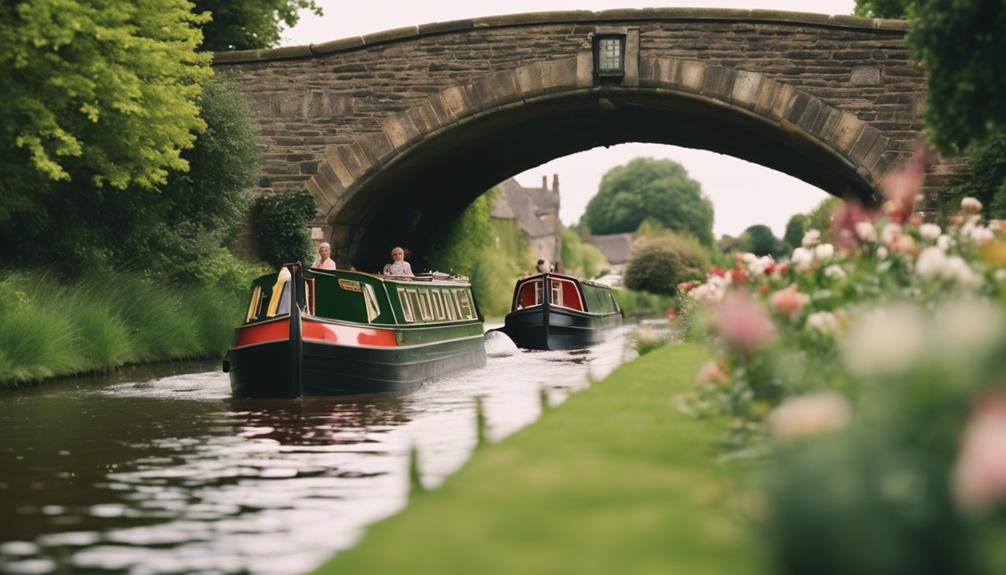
(554, 311)
(352, 332)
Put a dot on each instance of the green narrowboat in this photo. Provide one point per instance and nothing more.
(352, 332)
(555, 311)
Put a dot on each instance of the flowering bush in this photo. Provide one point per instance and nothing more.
(869, 371)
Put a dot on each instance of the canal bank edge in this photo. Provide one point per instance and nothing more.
(616, 480)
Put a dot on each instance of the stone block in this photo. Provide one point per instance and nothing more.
(340, 172)
(400, 130)
(631, 77)
(584, 68)
(376, 146)
(692, 74)
(454, 102)
(865, 76)
(322, 199)
(783, 100)
(745, 88)
(558, 75)
(863, 143)
(529, 79)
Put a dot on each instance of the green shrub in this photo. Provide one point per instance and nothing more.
(660, 264)
(647, 339)
(579, 257)
(641, 303)
(280, 221)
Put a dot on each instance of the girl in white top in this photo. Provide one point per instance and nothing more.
(398, 265)
(325, 261)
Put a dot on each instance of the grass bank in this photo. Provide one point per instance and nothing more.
(49, 328)
(613, 481)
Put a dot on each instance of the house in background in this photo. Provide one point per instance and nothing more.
(536, 212)
(616, 247)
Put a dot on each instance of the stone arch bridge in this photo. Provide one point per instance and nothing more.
(395, 133)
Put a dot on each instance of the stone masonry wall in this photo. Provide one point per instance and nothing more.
(309, 98)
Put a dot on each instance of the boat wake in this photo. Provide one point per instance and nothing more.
(498, 344)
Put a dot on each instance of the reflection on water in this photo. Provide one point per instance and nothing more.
(144, 474)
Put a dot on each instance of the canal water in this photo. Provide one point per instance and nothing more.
(159, 470)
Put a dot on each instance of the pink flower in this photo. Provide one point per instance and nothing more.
(712, 372)
(788, 301)
(979, 479)
(902, 186)
(742, 323)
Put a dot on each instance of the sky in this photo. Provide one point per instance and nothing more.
(742, 193)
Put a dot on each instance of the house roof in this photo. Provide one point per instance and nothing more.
(529, 206)
(616, 247)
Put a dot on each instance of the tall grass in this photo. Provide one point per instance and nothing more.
(49, 328)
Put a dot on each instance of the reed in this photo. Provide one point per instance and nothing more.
(48, 328)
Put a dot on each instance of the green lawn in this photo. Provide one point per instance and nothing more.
(613, 481)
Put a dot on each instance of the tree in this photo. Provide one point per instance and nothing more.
(986, 178)
(658, 265)
(198, 211)
(820, 217)
(249, 24)
(649, 188)
(796, 227)
(961, 44)
(100, 94)
(281, 226)
(759, 240)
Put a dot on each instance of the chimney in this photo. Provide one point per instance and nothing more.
(544, 183)
(555, 183)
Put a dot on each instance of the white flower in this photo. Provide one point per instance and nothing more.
(966, 329)
(809, 415)
(823, 321)
(803, 259)
(824, 251)
(930, 231)
(882, 252)
(931, 262)
(890, 232)
(757, 265)
(981, 234)
(866, 231)
(834, 273)
(711, 291)
(1000, 275)
(811, 238)
(971, 205)
(945, 242)
(884, 341)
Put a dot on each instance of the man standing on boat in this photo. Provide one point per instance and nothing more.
(398, 265)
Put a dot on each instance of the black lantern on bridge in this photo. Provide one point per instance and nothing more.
(609, 57)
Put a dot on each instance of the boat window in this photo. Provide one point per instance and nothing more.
(407, 314)
(370, 300)
(466, 305)
(253, 307)
(565, 294)
(556, 298)
(449, 305)
(529, 295)
(424, 305)
(438, 304)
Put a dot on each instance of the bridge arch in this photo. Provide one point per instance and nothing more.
(405, 127)
(428, 147)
